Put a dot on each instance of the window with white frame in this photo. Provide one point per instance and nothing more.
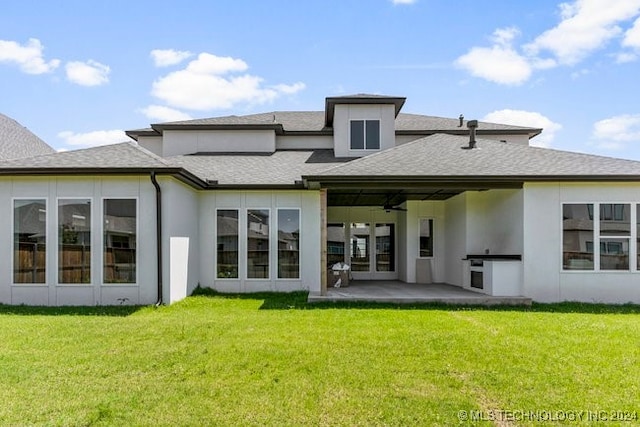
(385, 247)
(360, 250)
(120, 230)
(258, 243)
(227, 243)
(74, 241)
(598, 232)
(288, 243)
(615, 233)
(365, 135)
(426, 237)
(29, 240)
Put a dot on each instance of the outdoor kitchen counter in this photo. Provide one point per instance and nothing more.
(496, 275)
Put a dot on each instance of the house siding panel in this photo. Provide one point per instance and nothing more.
(176, 142)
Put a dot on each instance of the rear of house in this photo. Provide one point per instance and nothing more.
(270, 201)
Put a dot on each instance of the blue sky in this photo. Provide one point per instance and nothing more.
(79, 73)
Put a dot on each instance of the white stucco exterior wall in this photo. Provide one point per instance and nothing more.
(176, 142)
(151, 143)
(306, 142)
(180, 239)
(544, 279)
(494, 220)
(96, 189)
(456, 235)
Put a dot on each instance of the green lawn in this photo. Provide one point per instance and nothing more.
(269, 359)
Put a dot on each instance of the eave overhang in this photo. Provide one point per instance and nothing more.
(276, 127)
(461, 182)
(135, 134)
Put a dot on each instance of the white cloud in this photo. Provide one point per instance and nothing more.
(632, 36)
(499, 63)
(586, 25)
(625, 57)
(210, 82)
(164, 114)
(166, 57)
(617, 129)
(290, 89)
(577, 74)
(92, 139)
(28, 57)
(216, 65)
(528, 119)
(90, 73)
(403, 1)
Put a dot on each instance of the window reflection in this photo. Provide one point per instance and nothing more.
(258, 244)
(288, 243)
(577, 236)
(29, 241)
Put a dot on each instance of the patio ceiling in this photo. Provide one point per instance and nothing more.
(369, 197)
(381, 193)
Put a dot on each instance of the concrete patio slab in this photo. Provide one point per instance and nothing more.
(411, 293)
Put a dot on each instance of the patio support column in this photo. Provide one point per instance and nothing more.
(323, 241)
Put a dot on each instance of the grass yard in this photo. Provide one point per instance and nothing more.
(270, 359)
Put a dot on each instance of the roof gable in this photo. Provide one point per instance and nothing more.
(16, 141)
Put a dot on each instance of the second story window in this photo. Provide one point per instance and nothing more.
(365, 134)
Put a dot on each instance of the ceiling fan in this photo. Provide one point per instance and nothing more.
(388, 207)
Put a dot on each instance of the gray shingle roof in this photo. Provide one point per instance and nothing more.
(416, 122)
(441, 155)
(226, 120)
(314, 121)
(16, 141)
(279, 168)
(126, 155)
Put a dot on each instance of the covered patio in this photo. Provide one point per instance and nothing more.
(398, 292)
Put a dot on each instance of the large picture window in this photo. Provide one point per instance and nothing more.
(385, 247)
(577, 236)
(29, 241)
(426, 237)
(365, 134)
(615, 233)
(360, 250)
(288, 244)
(598, 236)
(120, 234)
(258, 244)
(74, 241)
(227, 251)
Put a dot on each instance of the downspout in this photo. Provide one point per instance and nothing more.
(158, 234)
